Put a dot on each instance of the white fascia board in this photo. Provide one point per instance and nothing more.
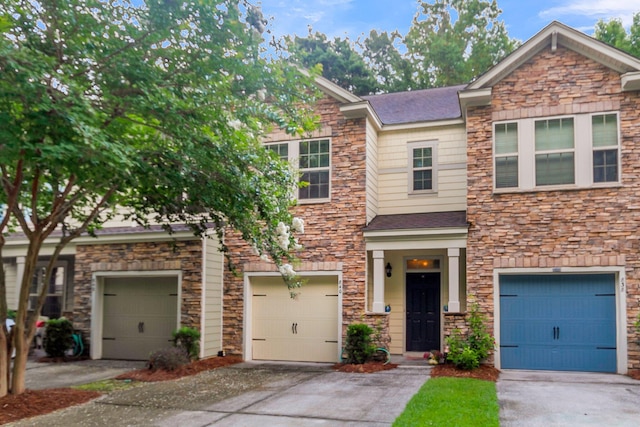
(423, 125)
(335, 91)
(473, 98)
(563, 35)
(359, 110)
(411, 233)
(631, 81)
(445, 242)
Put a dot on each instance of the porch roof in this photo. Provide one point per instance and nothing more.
(454, 219)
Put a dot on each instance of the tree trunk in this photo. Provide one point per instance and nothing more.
(5, 360)
(19, 369)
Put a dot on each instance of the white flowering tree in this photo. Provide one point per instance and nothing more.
(156, 106)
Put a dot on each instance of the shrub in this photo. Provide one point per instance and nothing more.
(11, 314)
(187, 339)
(58, 337)
(466, 352)
(358, 344)
(167, 359)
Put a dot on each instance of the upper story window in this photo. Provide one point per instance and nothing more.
(560, 152)
(555, 152)
(422, 158)
(314, 163)
(605, 147)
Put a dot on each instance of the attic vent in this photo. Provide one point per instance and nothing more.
(554, 41)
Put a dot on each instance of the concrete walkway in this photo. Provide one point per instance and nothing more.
(543, 398)
(254, 394)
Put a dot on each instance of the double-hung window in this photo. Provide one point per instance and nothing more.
(422, 165)
(605, 147)
(314, 166)
(555, 152)
(577, 151)
(506, 157)
(313, 158)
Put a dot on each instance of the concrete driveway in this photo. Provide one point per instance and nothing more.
(542, 398)
(254, 394)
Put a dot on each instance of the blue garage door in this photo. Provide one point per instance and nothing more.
(558, 322)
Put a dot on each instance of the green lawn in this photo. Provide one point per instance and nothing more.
(445, 401)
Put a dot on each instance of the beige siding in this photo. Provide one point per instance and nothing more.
(11, 272)
(394, 171)
(212, 299)
(372, 172)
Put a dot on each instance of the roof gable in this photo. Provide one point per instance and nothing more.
(556, 34)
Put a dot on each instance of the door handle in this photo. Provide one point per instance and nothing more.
(141, 327)
(556, 332)
(294, 328)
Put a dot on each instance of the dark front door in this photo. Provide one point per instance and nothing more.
(423, 311)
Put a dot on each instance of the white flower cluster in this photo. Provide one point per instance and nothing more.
(297, 225)
(283, 236)
(287, 271)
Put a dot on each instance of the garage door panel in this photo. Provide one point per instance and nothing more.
(304, 328)
(139, 316)
(558, 322)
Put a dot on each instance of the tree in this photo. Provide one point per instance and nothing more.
(154, 107)
(391, 68)
(614, 33)
(445, 51)
(340, 62)
(450, 42)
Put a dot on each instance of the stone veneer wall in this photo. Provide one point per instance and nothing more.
(156, 256)
(579, 228)
(333, 236)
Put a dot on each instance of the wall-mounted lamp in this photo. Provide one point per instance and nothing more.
(388, 269)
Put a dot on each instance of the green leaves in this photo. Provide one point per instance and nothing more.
(450, 42)
(157, 108)
(614, 33)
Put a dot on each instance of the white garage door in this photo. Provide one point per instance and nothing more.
(300, 329)
(140, 314)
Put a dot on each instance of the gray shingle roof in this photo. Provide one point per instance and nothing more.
(420, 220)
(417, 105)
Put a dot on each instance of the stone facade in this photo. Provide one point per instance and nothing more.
(155, 256)
(333, 239)
(542, 229)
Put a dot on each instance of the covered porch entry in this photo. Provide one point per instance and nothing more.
(416, 273)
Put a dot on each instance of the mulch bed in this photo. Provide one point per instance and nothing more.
(192, 368)
(38, 402)
(484, 372)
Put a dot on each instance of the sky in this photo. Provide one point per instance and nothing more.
(353, 18)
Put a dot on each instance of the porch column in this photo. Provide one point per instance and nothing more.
(454, 280)
(19, 274)
(378, 282)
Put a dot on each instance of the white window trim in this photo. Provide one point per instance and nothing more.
(583, 149)
(434, 166)
(293, 158)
